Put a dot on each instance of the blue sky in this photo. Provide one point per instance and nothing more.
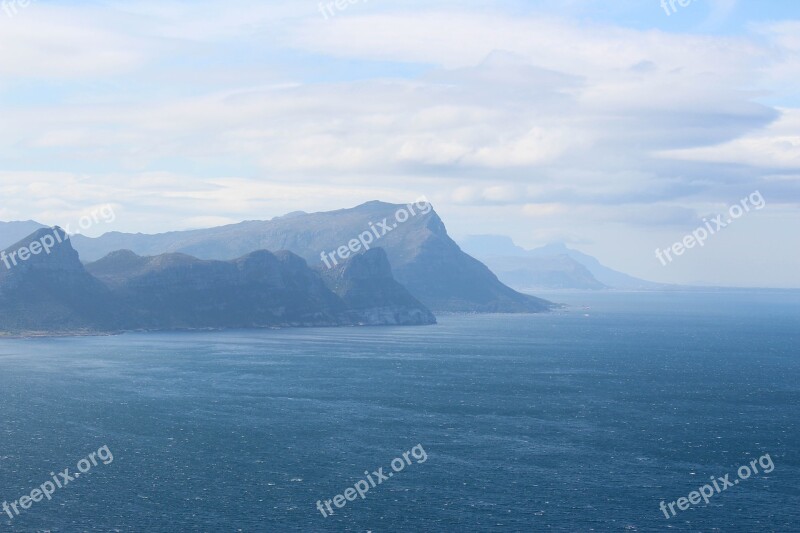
(613, 126)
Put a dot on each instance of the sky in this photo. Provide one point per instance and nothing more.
(618, 127)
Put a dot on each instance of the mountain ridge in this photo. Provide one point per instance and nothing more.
(54, 293)
(422, 256)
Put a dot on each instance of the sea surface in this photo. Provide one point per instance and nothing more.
(584, 419)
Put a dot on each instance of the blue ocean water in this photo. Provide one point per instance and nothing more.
(580, 420)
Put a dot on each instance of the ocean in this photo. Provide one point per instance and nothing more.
(584, 419)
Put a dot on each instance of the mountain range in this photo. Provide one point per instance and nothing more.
(422, 256)
(374, 264)
(554, 266)
(52, 292)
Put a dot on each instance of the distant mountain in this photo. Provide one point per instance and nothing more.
(550, 267)
(54, 293)
(11, 232)
(492, 246)
(605, 275)
(422, 256)
(536, 273)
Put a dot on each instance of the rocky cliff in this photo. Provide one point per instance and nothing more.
(369, 290)
(49, 291)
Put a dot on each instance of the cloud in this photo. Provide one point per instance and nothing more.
(190, 113)
(775, 147)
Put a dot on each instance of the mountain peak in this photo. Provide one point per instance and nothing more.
(45, 247)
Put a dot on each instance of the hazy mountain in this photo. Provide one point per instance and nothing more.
(554, 266)
(55, 293)
(492, 246)
(551, 272)
(605, 275)
(422, 256)
(11, 232)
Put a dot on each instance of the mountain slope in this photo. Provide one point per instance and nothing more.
(51, 291)
(422, 256)
(369, 290)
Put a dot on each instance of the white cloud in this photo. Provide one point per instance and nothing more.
(193, 113)
(775, 147)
